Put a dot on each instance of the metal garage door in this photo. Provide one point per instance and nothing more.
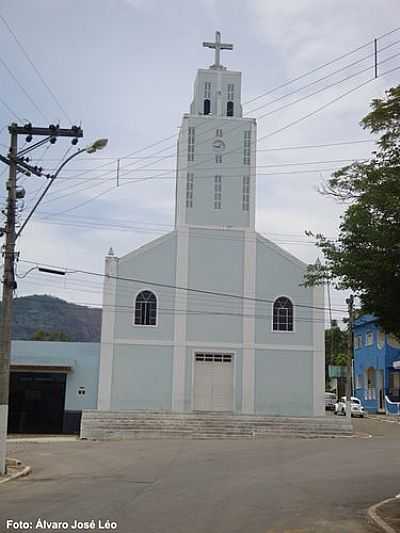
(36, 402)
(213, 382)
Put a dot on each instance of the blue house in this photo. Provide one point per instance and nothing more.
(50, 384)
(376, 366)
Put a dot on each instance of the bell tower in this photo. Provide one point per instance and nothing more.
(216, 152)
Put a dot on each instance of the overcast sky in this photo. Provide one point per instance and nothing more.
(124, 69)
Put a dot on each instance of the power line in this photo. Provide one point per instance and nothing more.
(269, 134)
(327, 104)
(23, 89)
(232, 129)
(310, 146)
(10, 110)
(157, 231)
(272, 149)
(102, 193)
(169, 286)
(272, 133)
(265, 136)
(166, 295)
(314, 82)
(258, 140)
(107, 174)
(199, 177)
(161, 227)
(167, 311)
(383, 35)
(270, 165)
(212, 307)
(320, 67)
(351, 76)
(325, 88)
(25, 53)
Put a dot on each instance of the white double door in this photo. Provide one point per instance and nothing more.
(213, 382)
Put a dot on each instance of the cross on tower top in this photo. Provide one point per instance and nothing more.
(218, 46)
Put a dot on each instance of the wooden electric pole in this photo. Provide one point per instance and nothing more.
(17, 163)
(7, 301)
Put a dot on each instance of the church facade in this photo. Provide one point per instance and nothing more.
(212, 316)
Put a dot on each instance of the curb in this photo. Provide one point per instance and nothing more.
(43, 440)
(377, 520)
(22, 473)
(379, 419)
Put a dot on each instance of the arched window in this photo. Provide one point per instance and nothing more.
(282, 314)
(229, 109)
(146, 309)
(207, 107)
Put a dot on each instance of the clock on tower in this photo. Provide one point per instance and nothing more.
(216, 152)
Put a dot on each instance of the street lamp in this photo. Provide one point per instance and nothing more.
(9, 281)
(97, 145)
(90, 149)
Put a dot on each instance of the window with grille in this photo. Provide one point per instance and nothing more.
(219, 133)
(217, 192)
(369, 338)
(357, 342)
(218, 158)
(207, 89)
(231, 89)
(189, 189)
(214, 357)
(191, 144)
(359, 381)
(146, 309)
(245, 193)
(282, 314)
(394, 385)
(246, 147)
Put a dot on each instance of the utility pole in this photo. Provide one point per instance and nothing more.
(17, 163)
(349, 366)
(7, 302)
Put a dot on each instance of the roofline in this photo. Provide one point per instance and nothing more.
(148, 246)
(281, 251)
(362, 320)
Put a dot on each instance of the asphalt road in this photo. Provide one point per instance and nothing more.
(183, 486)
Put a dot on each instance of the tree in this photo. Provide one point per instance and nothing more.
(366, 256)
(41, 335)
(335, 347)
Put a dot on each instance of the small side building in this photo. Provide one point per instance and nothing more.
(376, 365)
(50, 384)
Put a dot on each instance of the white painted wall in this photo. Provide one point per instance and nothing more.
(214, 250)
(107, 333)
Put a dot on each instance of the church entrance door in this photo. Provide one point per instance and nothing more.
(213, 382)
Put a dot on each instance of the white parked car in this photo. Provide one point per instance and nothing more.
(330, 401)
(356, 407)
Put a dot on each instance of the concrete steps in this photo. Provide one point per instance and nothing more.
(143, 424)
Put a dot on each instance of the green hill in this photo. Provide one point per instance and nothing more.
(43, 312)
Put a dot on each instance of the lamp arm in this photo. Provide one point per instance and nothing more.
(46, 189)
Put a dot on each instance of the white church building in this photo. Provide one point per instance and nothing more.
(212, 316)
